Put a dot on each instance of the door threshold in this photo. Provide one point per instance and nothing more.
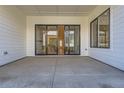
(57, 55)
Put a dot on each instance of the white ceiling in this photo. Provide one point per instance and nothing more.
(60, 10)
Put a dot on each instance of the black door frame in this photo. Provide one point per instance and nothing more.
(57, 38)
(45, 40)
(74, 40)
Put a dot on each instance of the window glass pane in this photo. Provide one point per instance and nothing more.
(51, 28)
(103, 30)
(94, 33)
(52, 39)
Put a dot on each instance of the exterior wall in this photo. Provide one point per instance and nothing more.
(115, 55)
(19, 43)
(32, 20)
(12, 34)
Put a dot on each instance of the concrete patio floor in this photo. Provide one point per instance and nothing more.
(60, 72)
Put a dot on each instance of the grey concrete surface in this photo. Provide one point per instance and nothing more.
(60, 72)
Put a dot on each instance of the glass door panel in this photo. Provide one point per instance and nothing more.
(66, 42)
(77, 40)
(57, 39)
(52, 40)
(66, 37)
(72, 43)
(40, 40)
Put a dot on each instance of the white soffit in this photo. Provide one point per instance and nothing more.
(56, 10)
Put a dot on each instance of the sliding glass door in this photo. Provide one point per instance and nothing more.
(72, 40)
(57, 39)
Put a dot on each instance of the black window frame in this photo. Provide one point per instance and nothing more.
(96, 19)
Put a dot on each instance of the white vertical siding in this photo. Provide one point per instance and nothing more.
(12, 34)
(115, 55)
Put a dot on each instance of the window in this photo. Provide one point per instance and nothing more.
(94, 29)
(100, 31)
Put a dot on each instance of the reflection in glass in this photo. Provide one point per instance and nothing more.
(77, 40)
(47, 40)
(100, 31)
(66, 42)
(72, 40)
(40, 39)
(52, 40)
(94, 33)
(103, 30)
